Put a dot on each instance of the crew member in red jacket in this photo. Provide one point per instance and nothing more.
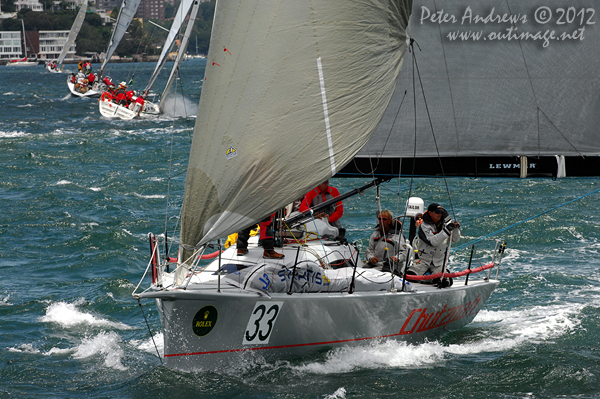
(320, 194)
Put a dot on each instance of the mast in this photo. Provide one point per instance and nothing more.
(24, 39)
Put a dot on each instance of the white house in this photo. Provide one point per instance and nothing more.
(52, 43)
(10, 45)
(34, 5)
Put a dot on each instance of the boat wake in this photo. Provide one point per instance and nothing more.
(179, 106)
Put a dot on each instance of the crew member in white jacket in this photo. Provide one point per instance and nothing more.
(387, 246)
(432, 241)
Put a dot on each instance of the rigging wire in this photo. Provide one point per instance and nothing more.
(471, 242)
(149, 330)
(433, 135)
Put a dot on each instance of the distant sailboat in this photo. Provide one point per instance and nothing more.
(22, 61)
(140, 105)
(56, 66)
(126, 14)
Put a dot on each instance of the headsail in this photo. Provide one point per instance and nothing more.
(73, 33)
(126, 14)
(499, 80)
(292, 91)
(182, 12)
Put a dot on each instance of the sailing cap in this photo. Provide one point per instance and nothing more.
(434, 206)
(123, 84)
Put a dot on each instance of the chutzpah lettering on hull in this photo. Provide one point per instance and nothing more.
(420, 320)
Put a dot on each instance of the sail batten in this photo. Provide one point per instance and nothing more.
(262, 138)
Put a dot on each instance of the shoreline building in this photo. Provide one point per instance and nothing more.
(10, 45)
(52, 43)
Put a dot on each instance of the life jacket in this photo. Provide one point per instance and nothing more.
(107, 95)
(91, 78)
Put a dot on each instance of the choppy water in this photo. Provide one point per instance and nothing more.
(79, 193)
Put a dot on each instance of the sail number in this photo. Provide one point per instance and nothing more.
(261, 323)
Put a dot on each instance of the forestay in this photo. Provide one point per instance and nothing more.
(293, 89)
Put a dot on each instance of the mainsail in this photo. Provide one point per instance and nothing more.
(126, 14)
(178, 21)
(180, 54)
(73, 33)
(500, 78)
(292, 91)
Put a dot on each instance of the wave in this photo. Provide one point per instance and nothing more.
(68, 315)
(12, 135)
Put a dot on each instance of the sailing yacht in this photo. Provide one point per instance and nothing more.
(140, 104)
(126, 14)
(21, 62)
(292, 91)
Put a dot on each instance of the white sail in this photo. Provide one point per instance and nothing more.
(126, 14)
(182, 12)
(292, 91)
(73, 33)
(180, 54)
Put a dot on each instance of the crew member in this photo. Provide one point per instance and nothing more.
(320, 194)
(432, 243)
(387, 246)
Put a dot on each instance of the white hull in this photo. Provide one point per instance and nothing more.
(95, 91)
(110, 109)
(277, 325)
(22, 64)
(52, 70)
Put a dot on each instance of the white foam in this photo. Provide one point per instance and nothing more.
(95, 189)
(24, 348)
(107, 344)
(340, 393)
(4, 301)
(178, 106)
(63, 182)
(149, 196)
(377, 355)
(67, 315)
(12, 135)
(148, 345)
(498, 331)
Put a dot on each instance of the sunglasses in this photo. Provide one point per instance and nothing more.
(384, 218)
(438, 211)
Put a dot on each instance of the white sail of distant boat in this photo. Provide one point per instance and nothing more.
(111, 109)
(22, 61)
(292, 91)
(57, 66)
(126, 14)
(179, 19)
